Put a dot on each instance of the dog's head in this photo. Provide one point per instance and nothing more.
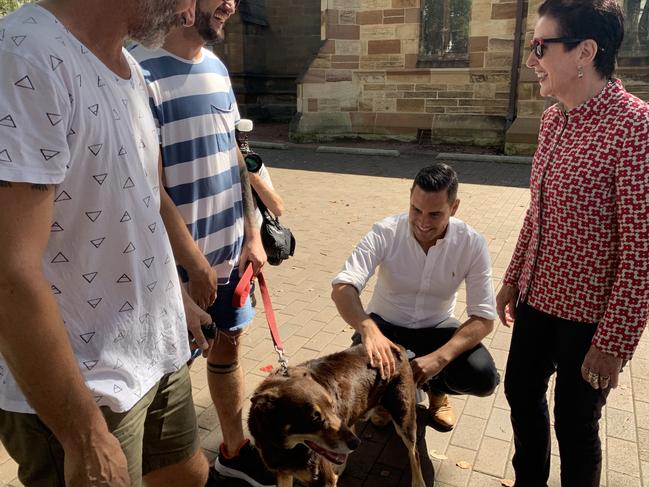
(287, 411)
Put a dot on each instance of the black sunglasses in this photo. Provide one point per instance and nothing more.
(538, 43)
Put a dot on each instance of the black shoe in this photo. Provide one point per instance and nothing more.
(247, 466)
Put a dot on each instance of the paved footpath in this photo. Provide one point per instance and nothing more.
(331, 201)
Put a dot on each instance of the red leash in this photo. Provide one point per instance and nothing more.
(241, 293)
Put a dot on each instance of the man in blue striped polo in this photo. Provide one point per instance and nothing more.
(204, 174)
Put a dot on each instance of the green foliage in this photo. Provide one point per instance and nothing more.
(7, 6)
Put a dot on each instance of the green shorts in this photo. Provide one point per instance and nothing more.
(160, 430)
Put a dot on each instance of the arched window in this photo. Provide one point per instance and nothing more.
(444, 40)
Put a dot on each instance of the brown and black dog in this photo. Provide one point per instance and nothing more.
(302, 421)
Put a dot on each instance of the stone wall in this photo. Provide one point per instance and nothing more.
(521, 137)
(351, 68)
(365, 81)
(266, 60)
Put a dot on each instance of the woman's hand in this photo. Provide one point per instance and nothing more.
(600, 369)
(506, 304)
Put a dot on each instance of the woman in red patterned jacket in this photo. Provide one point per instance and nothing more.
(578, 284)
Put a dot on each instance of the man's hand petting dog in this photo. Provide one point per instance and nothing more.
(379, 350)
(426, 367)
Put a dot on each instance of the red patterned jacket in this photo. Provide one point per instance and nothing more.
(583, 251)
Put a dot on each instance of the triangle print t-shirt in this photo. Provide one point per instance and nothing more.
(67, 120)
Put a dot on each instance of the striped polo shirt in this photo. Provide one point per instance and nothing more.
(196, 112)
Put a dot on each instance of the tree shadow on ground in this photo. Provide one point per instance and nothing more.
(405, 166)
(382, 459)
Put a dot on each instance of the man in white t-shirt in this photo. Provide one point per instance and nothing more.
(94, 389)
(423, 256)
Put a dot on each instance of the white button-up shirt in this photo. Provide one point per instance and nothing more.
(417, 289)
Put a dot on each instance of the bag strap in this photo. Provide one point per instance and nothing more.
(239, 297)
(260, 204)
(263, 209)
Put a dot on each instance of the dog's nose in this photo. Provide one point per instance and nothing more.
(353, 442)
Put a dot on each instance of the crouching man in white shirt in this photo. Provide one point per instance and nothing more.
(422, 258)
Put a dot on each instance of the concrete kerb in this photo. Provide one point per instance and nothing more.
(451, 156)
(329, 149)
(358, 151)
(448, 156)
(268, 145)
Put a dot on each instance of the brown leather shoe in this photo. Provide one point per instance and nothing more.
(440, 412)
(380, 416)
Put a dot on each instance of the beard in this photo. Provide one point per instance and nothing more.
(203, 25)
(153, 21)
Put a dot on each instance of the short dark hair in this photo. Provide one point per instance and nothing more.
(437, 177)
(600, 20)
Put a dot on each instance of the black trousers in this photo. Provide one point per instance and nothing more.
(473, 372)
(542, 345)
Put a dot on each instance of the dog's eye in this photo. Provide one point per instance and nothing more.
(316, 418)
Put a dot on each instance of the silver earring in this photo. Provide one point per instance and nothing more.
(580, 72)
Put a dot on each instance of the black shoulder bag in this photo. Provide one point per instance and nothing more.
(278, 241)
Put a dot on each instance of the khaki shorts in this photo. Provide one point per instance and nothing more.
(160, 430)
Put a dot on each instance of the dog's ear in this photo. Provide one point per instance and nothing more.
(264, 400)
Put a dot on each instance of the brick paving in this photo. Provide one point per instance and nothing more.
(331, 201)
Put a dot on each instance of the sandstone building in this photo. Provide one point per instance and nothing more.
(450, 71)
